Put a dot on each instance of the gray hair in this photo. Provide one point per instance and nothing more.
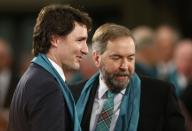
(106, 32)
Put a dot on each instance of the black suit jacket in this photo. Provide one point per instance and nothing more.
(186, 98)
(159, 109)
(38, 103)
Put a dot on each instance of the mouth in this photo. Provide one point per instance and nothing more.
(122, 77)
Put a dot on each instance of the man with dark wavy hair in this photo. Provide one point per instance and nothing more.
(42, 100)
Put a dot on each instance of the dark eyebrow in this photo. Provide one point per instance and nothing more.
(82, 38)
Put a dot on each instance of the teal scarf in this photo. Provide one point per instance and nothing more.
(43, 61)
(129, 108)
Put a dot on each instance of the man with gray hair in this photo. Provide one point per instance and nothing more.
(116, 98)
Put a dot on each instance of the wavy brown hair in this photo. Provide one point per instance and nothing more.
(56, 20)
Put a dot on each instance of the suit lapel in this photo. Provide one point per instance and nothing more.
(88, 110)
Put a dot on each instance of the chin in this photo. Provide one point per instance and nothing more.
(76, 66)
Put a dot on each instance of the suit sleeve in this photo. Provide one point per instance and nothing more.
(175, 120)
(46, 108)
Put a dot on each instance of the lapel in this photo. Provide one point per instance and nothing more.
(88, 110)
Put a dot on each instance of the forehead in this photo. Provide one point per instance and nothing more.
(122, 45)
(79, 30)
(184, 49)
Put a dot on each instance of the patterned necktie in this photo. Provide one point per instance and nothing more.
(105, 117)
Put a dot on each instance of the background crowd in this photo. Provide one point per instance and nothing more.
(163, 52)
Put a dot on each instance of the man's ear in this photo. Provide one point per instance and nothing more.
(96, 58)
(54, 40)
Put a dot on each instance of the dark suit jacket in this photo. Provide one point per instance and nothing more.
(159, 109)
(38, 103)
(186, 98)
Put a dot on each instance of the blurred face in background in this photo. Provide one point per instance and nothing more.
(5, 56)
(146, 48)
(117, 63)
(183, 57)
(165, 39)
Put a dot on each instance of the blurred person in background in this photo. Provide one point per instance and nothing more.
(181, 73)
(181, 77)
(146, 51)
(42, 101)
(166, 38)
(8, 81)
(8, 77)
(3, 122)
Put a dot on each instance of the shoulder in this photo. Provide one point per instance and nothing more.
(37, 83)
(156, 91)
(159, 106)
(36, 75)
(38, 72)
(155, 84)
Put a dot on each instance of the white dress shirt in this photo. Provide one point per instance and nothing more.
(98, 105)
(58, 69)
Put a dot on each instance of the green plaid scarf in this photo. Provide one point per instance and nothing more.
(129, 108)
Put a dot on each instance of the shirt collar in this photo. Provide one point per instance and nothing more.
(58, 69)
(102, 87)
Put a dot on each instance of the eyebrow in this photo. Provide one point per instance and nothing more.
(132, 55)
(121, 55)
(82, 38)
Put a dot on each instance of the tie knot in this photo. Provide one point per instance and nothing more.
(110, 94)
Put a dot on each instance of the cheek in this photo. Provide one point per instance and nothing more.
(108, 65)
(73, 52)
(65, 53)
(113, 67)
(131, 67)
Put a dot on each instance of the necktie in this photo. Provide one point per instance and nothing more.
(105, 117)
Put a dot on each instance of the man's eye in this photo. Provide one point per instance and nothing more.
(81, 39)
(115, 58)
(130, 58)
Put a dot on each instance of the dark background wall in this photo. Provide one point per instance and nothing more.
(17, 17)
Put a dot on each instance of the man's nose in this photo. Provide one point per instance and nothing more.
(85, 49)
(124, 65)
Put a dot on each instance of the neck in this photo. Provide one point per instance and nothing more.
(53, 57)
